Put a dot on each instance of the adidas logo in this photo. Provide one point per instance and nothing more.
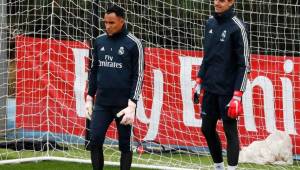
(102, 49)
(210, 31)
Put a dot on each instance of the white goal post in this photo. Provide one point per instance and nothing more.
(44, 61)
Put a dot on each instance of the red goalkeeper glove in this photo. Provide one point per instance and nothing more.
(197, 91)
(235, 107)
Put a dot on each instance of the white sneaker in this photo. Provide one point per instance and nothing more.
(231, 167)
(219, 166)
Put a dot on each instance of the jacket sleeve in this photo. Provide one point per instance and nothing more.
(203, 67)
(92, 82)
(241, 50)
(137, 72)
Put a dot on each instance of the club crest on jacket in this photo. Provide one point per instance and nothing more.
(121, 51)
(223, 35)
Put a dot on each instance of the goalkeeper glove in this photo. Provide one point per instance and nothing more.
(88, 107)
(128, 112)
(235, 107)
(196, 91)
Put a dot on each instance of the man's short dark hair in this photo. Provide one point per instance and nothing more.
(117, 10)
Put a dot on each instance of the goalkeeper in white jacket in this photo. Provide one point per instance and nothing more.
(115, 80)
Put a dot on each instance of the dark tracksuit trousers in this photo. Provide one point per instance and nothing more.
(214, 107)
(102, 117)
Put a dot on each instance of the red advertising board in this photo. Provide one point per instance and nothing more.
(51, 79)
(45, 86)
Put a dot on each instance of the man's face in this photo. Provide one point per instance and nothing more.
(222, 5)
(113, 23)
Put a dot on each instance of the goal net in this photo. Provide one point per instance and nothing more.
(44, 63)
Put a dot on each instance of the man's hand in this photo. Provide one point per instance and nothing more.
(88, 107)
(128, 112)
(196, 91)
(235, 107)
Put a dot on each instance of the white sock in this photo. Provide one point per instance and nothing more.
(231, 167)
(219, 166)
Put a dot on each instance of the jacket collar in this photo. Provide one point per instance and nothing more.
(222, 17)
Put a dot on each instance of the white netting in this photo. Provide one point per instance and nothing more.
(43, 72)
